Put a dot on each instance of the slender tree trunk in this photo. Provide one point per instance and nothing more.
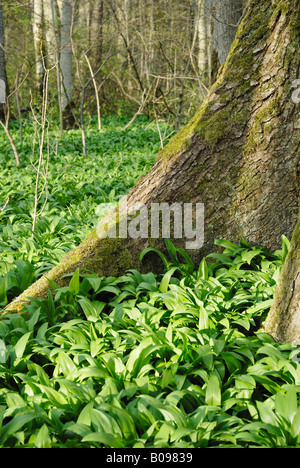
(96, 31)
(225, 15)
(151, 48)
(53, 6)
(66, 62)
(202, 26)
(239, 156)
(222, 18)
(3, 77)
(37, 26)
(50, 34)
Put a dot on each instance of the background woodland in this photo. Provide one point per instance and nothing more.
(105, 56)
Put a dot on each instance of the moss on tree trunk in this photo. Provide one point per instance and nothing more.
(239, 155)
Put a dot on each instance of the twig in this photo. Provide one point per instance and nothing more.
(44, 129)
(6, 203)
(18, 108)
(96, 91)
(14, 148)
(119, 164)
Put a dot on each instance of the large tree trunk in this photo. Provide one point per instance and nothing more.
(283, 321)
(239, 155)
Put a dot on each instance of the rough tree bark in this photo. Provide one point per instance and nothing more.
(283, 321)
(239, 155)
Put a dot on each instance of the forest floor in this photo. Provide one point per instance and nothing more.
(177, 360)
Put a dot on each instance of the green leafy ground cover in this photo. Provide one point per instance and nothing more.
(144, 360)
(77, 186)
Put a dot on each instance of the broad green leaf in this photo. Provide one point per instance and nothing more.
(91, 308)
(213, 391)
(167, 377)
(169, 332)
(107, 440)
(90, 371)
(221, 257)
(162, 436)
(270, 351)
(171, 250)
(105, 422)
(248, 255)
(43, 439)
(285, 246)
(14, 400)
(295, 428)
(180, 433)
(160, 254)
(125, 422)
(287, 405)
(203, 270)
(203, 318)
(34, 319)
(2, 352)
(42, 375)
(64, 364)
(233, 248)
(139, 357)
(96, 346)
(189, 262)
(266, 414)
(166, 280)
(260, 306)
(3, 288)
(15, 424)
(80, 429)
(26, 273)
(85, 415)
(95, 282)
(111, 289)
(55, 397)
(21, 345)
(2, 412)
(74, 285)
(246, 385)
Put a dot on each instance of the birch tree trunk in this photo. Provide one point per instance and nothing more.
(37, 26)
(203, 24)
(239, 156)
